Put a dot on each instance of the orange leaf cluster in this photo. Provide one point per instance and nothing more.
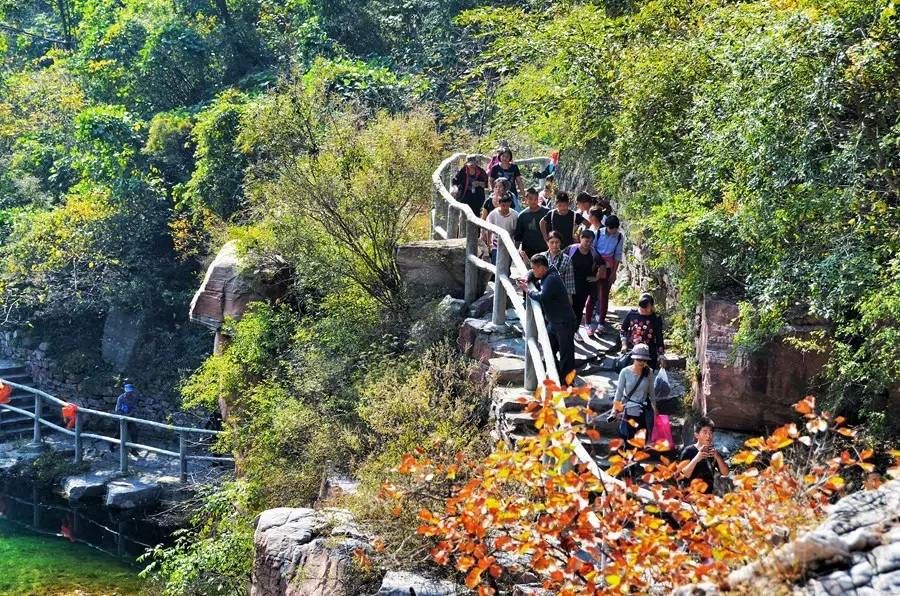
(537, 507)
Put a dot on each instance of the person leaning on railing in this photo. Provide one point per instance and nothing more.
(554, 299)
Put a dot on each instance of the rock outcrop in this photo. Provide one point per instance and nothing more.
(749, 392)
(432, 268)
(855, 551)
(305, 552)
(225, 291)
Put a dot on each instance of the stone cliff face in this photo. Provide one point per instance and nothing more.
(749, 392)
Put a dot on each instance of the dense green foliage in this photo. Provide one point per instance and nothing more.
(752, 146)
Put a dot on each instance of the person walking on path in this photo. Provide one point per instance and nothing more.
(528, 226)
(609, 244)
(505, 218)
(584, 263)
(701, 460)
(499, 189)
(644, 326)
(635, 392)
(470, 184)
(561, 323)
(507, 169)
(126, 405)
(559, 260)
(562, 219)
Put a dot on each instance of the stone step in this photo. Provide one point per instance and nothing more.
(506, 370)
(11, 369)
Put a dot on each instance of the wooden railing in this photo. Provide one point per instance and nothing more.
(81, 414)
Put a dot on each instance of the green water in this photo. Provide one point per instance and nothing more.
(47, 565)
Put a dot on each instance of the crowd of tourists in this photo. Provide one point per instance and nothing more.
(574, 250)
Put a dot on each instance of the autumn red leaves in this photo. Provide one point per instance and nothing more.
(537, 510)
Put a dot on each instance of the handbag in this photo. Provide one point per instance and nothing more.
(623, 428)
(662, 430)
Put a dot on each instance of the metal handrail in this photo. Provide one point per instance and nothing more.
(122, 441)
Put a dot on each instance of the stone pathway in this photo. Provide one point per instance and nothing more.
(502, 356)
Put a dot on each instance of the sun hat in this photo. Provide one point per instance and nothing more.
(640, 352)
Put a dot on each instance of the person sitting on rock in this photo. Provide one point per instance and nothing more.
(644, 326)
(702, 459)
(561, 323)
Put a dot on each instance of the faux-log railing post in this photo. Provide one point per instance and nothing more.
(503, 263)
(123, 446)
(471, 291)
(531, 380)
(79, 449)
(38, 412)
(182, 457)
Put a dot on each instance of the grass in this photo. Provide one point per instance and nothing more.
(32, 564)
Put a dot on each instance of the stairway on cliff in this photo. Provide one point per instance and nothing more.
(502, 357)
(12, 423)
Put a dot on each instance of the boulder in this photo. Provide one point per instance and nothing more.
(87, 486)
(856, 550)
(403, 583)
(431, 268)
(225, 291)
(132, 494)
(750, 392)
(122, 332)
(478, 340)
(299, 554)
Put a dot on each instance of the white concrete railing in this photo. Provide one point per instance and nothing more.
(122, 441)
(446, 218)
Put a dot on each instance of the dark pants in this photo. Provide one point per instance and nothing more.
(579, 298)
(562, 340)
(604, 287)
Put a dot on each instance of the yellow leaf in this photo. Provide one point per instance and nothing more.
(613, 580)
(570, 377)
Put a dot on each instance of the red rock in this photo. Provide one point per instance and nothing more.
(753, 392)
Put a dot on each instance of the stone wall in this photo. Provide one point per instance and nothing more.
(98, 391)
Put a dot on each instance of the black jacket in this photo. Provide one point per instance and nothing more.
(554, 299)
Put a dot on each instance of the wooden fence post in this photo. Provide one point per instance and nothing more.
(123, 446)
(79, 447)
(471, 290)
(38, 412)
(503, 262)
(182, 456)
(531, 380)
(452, 222)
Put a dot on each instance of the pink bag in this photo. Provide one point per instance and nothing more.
(662, 430)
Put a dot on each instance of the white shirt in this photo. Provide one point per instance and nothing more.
(508, 223)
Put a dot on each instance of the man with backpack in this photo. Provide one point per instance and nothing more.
(528, 225)
(562, 219)
(470, 184)
(609, 244)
